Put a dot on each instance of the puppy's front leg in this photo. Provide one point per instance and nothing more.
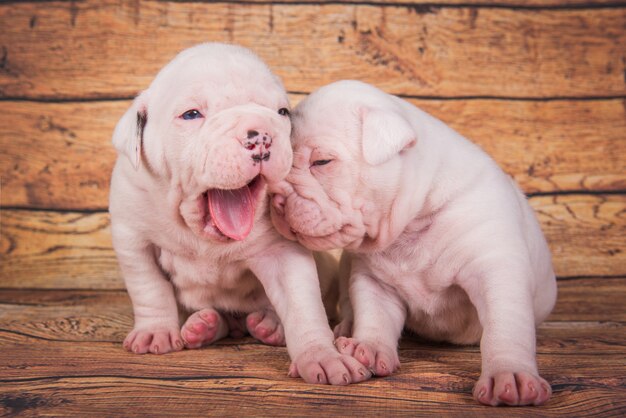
(504, 303)
(289, 276)
(379, 317)
(156, 329)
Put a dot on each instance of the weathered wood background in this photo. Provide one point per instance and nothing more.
(539, 84)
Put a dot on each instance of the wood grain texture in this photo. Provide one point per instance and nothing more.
(51, 249)
(236, 357)
(59, 155)
(585, 307)
(546, 146)
(568, 222)
(97, 49)
(213, 397)
(67, 315)
(246, 396)
(535, 4)
(46, 369)
(420, 4)
(539, 4)
(585, 299)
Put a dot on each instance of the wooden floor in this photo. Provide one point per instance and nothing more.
(61, 354)
(538, 84)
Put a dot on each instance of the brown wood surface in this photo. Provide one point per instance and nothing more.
(419, 4)
(539, 4)
(57, 250)
(215, 395)
(590, 299)
(73, 250)
(97, 49)
(61, 354)
(59, 155)
(586, 233)
(76, 315)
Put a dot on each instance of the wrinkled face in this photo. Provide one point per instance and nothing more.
(216, 130)
(345, 171)
(316, 204)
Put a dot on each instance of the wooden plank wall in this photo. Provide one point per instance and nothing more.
(539, 84)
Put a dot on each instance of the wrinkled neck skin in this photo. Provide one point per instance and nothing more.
(391, 209)
(424, 187)
(143, 184)
(170, 195)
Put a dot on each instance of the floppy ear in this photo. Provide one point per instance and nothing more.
(128, 134)
(385, 133)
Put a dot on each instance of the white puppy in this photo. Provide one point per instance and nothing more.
(440, 240)
(190, 221)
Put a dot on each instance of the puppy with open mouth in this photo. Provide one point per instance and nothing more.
(437, 237)
(190, 221)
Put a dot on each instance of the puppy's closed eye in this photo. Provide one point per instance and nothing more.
(320, 162)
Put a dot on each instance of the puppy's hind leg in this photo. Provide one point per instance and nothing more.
(265, 326)
(203, 327)
(509, 374)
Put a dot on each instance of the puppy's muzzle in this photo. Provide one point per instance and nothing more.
(258, 143)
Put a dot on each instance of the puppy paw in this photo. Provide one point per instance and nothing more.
(266, 327)
(157, 340)
(380, 359)
(324, 365)
(508, 388)
(203, 327)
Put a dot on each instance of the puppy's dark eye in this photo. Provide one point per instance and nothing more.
(320, 162)
(283, 111)
(192, 114)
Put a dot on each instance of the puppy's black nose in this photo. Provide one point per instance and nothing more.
(259, 144)
(261, 156)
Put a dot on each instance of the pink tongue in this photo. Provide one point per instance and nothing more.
(232, 211)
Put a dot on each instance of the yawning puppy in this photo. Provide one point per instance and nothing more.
(190, 221)
(437, 237)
